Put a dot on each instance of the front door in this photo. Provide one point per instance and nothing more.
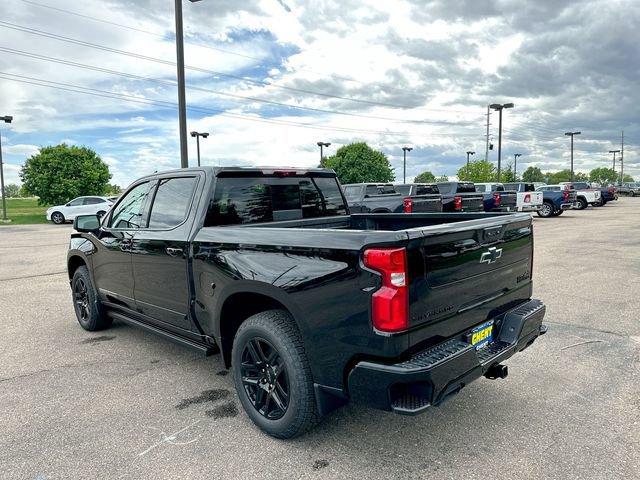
(160, 253)
(112, 268)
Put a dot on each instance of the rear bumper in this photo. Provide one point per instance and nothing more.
(431, 376)
(529, 208)
(567, 206)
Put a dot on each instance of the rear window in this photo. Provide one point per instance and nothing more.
(580, 185)
(426, 189)
(466, 188)
(444, 187)
(352, 193)
(241, 200)
(481, 188)
(403, 189)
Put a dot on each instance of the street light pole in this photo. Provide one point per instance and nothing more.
(515, 163)
(182, 100)
(197, 135)
(469, 153)
(321, 145)
(404, 163)
(499, 108)
(614, 158)
(5, 119)
(572, 134)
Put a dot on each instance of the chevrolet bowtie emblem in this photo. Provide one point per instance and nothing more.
(491, 256)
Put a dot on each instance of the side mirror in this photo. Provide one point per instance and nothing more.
(87, 223)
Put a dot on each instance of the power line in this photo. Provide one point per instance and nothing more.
(192, 87)
(62, 38)
(171, 105)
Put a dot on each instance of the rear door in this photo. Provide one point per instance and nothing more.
(160, 251)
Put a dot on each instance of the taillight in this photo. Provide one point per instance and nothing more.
(527, 198)
(496, 199)
(407, 203)
(457, 203)
(565, 194)
(389, 304)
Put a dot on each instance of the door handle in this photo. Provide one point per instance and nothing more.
(173, 252)
(125, 245)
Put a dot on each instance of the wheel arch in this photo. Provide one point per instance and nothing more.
(240, 305)
(74, 262)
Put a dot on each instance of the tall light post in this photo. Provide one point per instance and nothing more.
(404, 163)
(197, 136)
(572, 134)
(499, 107)
(322, 145)
(614, 158)
(515, 163)
(469, 153)
(182, 101)
(5, 119)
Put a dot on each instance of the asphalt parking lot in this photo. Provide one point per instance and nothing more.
(126, 404)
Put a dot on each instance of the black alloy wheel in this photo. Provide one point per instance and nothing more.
(81, 301)
(264, 378)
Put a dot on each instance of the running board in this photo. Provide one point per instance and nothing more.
(206, 350)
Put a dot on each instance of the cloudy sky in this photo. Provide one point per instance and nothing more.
(270, 78)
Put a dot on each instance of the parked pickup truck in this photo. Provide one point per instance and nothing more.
(528, 199)
(631, 189)
(495, 198)
(460, 197)
(420, 197)
(309, 305)
(373, 197)
(556, 199)
(585, 194)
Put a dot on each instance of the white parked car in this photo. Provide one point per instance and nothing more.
(528, 199)
(79, 206)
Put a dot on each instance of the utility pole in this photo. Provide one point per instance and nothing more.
(469, 153)
(5, 119)
(486, 151)
(322, 144)
(515, 163)
(622, 158)
(571, 134)
(614, 158)
(404, 163)
(499, 108)
(182, 101)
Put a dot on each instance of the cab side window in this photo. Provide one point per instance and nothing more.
(172, 202)
(128, 213)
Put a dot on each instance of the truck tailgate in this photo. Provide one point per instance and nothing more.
(530, 198)
(471, 202)
(468, 272)
(426, 203)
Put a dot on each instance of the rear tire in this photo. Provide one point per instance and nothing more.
(557, 213)
(57, 218)
(86, 304)
(582, 203)
(545, 210)
(272, 375)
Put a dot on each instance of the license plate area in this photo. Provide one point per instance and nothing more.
(481, 336)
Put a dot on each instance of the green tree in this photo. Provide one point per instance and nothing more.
(478, 171)
(507, 175)
(627, 178)
(442, 178)
(358, 163)
(603, 175)
(425, 177)
(565, 176)
(59, 173)
(113, 189)
(533, 174)
(12, 190)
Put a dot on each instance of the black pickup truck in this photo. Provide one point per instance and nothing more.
(373, 197)
(420, 197)
(309, 305)
(460, 197)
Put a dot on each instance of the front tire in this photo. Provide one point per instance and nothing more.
(86, 304)
(57, 218)
(545, 210)
(272, 375)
